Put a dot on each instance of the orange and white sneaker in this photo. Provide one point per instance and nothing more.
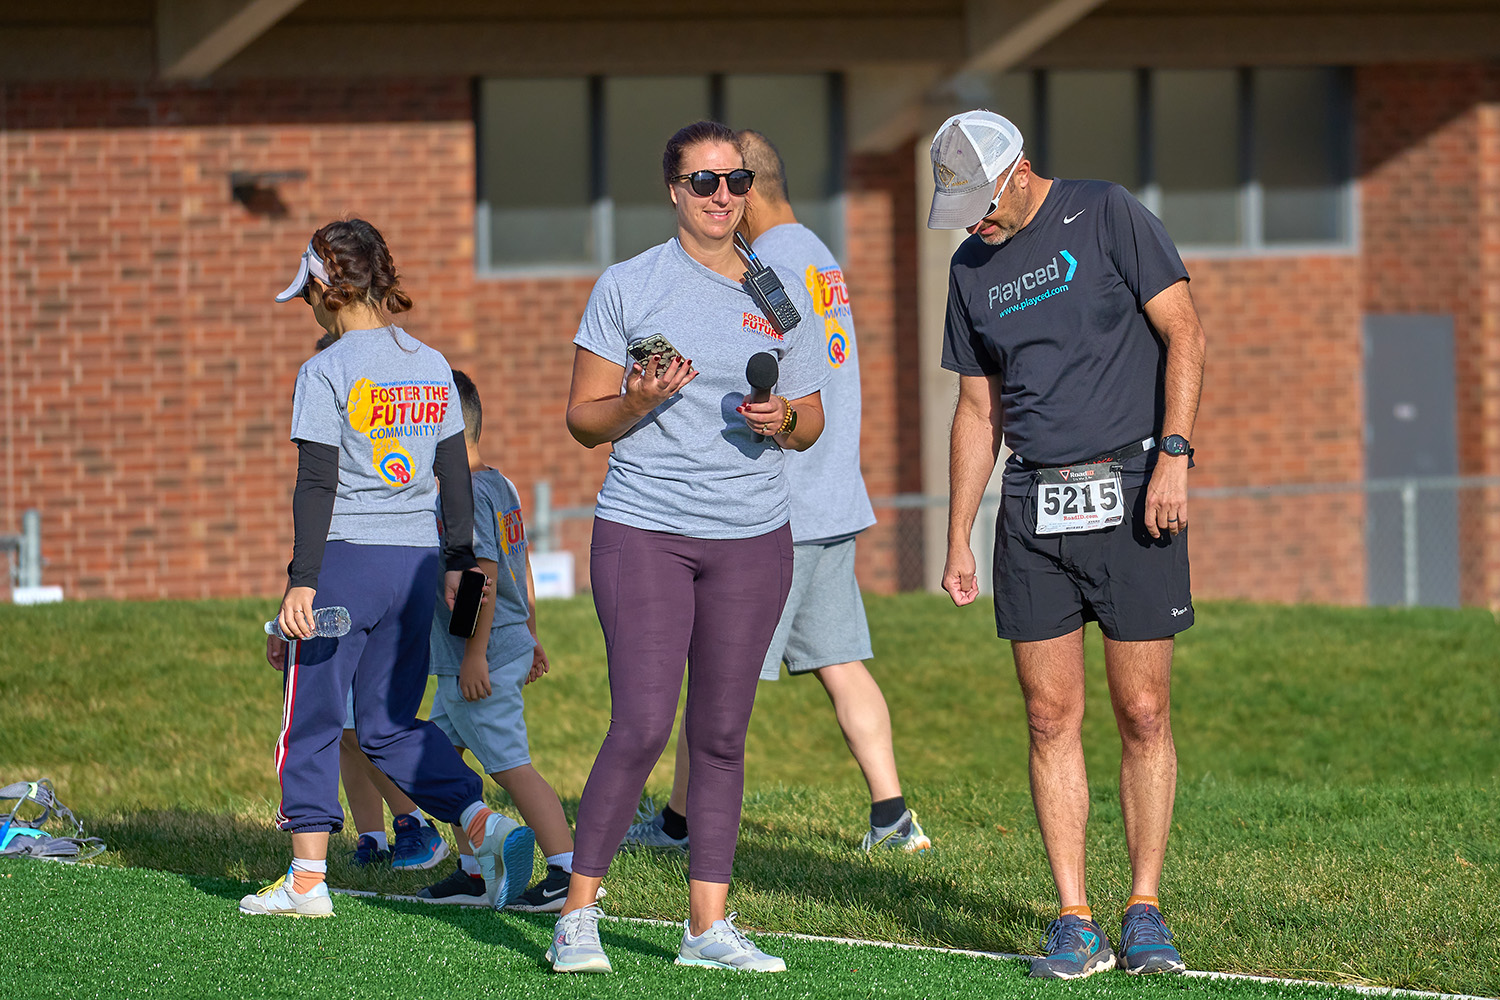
(278, 899)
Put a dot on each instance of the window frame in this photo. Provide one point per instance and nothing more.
(1249, 190)
(601, 204)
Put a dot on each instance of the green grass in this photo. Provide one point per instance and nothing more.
(1335, 816)
(186, 940)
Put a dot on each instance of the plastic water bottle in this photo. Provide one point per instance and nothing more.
(328, 623)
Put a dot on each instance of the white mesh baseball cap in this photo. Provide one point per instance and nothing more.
(969, 153)
(311, 264)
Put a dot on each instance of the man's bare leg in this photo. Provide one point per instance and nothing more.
(1051, 676)
(1140, 680)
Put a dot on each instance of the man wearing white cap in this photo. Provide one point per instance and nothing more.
(1074, 335)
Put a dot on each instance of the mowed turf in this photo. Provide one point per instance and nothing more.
(110, 934)
(1335, 815)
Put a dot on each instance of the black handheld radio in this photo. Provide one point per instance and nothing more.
(766, 289)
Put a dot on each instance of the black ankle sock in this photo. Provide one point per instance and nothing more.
(672, 824)
(887, 811)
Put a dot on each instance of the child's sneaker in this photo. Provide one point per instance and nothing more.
(548, 895)
(418, 846)
(1145, 942)
(905, 834)
(650, 832)
(1074, 948)
(278, 899)
(725, 946)
(505, 859)
(459, 887)
(575, 943)
(367, 852)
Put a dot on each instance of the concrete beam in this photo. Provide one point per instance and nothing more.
(195, 37)
(1001, 33)
(889, 104)
(567, 48)
(1106, 41)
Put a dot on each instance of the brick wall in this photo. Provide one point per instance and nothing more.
(147, 375)
(1429, 155)
(1281, 404)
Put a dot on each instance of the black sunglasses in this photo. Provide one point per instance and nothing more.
(705, 182)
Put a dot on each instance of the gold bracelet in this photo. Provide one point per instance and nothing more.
(790, 420)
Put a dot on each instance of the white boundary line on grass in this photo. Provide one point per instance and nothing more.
(1002, 956)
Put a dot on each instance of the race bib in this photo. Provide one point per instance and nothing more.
(1079, 498)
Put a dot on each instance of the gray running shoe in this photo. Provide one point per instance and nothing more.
(575, 942)
(725, 946)
(905, 834)
(278, 899)
(649, 832)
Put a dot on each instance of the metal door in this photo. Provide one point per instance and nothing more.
(1411, 438)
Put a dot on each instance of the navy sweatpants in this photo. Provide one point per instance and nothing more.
(389, 591)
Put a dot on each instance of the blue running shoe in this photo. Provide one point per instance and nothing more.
(1145, 942)
(418, 846)
(1074, 948)
(367, 852)
(505, 859)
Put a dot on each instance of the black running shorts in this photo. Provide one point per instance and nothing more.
(1135, 586)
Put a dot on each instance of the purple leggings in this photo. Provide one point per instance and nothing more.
(664, 599)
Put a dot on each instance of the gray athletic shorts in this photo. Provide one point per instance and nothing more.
(824, 621)
(493, 728)
(1135, 586)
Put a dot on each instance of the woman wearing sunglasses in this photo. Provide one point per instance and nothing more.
(691, 557)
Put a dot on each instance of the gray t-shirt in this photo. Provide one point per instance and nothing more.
(500, 535)
(829, 500)
(385, 400)
(692, 466)
(1057, 314)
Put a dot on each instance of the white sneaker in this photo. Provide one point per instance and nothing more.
(575, 942)
(651, 832)
(505, 859)
(905, 834)
(725, 946)
(278, 899)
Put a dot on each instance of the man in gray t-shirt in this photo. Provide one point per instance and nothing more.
(823, 630)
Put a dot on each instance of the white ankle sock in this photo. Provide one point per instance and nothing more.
(309, 865)
(469, 864)
(563, 861)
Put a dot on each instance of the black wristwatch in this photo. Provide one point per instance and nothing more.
(1176, 445)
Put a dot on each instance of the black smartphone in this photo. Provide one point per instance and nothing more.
(466, 604)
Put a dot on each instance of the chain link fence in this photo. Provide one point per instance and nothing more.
(1399, 542)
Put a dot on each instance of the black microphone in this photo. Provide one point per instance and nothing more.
(761, 373)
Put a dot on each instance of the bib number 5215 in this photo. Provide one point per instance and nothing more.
(1079, 498)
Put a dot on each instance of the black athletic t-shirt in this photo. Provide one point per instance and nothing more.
(1056, 312)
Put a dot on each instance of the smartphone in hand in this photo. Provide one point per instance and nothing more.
(466, 604)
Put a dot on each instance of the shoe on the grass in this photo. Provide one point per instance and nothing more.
(725, 946)
(905, 834)
(1074, 948)
(459, 887)
(505, 859)
(278, 899)
(1145, 942)
(651, 832)
(367, 852)
(548, 895)
(418, 846)
(575, 943)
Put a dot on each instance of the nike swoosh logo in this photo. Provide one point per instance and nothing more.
(555, 893)
(1069, 218)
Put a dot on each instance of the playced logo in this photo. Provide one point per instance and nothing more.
(1031, 281)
